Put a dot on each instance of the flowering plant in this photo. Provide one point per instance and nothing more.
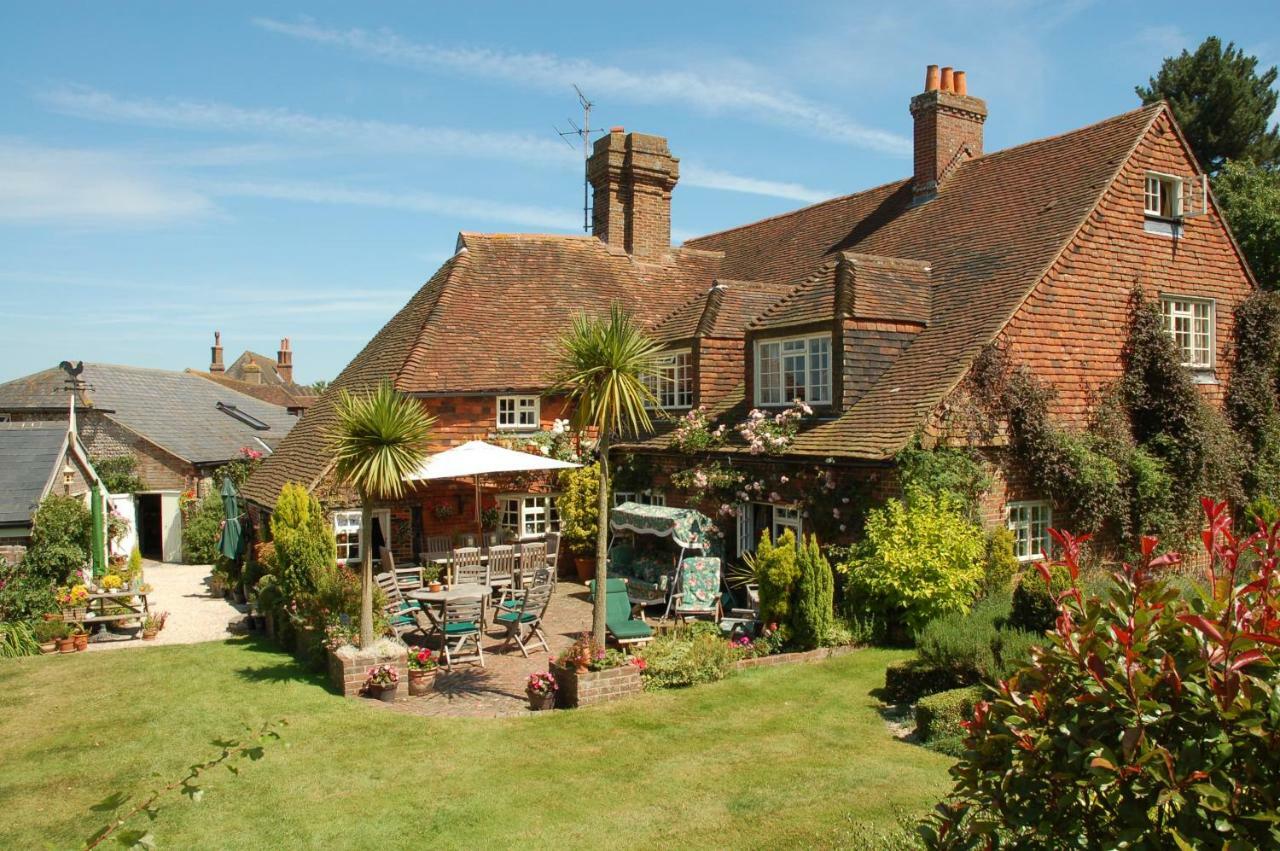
(422, 660)
(582, 653)
(771, 435)
(381, 676)
(638, 662)
(541, 683)
(712, 477)
(112, 582)
(74, 595)
(693, 432)
(339, 633)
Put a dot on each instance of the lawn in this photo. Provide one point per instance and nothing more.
(782, 757)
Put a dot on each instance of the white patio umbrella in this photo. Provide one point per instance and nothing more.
(476, 458)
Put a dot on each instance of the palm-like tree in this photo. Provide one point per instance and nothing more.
(379, 439)
(602, 367)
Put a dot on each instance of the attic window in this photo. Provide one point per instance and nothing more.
(1163, 196)
(243, 416)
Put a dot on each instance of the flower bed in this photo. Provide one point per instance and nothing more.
(794, 658)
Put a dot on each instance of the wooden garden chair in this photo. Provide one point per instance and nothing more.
(525, 622)
(467, 567)
(502, 566)
(460, 628)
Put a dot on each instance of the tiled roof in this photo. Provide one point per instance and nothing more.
(28, 453)
(177, 411)
(488, 321)
(884, 288)
(991, 233)
(269, 370)
(723, 311)
(275, 394)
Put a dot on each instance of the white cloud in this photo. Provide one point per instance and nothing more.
(88, 188)
(414, 202)
(709, 178)
(714, 94)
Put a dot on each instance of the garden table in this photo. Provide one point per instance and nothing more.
(453, 592)
(133, 602)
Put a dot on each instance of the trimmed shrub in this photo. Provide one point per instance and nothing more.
(909, 680)
(201, 526)
(939, 715)
(979, 645)
(921, 559)
(579, 509)
(811, 614)
(1000, 564)
(304, 542)
(776, 573)
(60, 531)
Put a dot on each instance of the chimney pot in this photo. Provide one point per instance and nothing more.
(948, 79)
(958, 80)
(215, 360)
(931, 78)
(617, 128)
(284, 362)
(632, 176)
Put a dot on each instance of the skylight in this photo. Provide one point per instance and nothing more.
(243, 416)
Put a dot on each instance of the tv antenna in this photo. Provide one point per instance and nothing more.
(583, 133)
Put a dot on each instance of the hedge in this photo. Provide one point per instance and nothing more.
(938, 716)
(908, 681)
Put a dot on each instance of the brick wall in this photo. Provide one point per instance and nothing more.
(595, 686)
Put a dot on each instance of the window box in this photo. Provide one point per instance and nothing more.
(791, 369)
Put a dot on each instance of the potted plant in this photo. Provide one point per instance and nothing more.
(80, 637)
(579, 655)
(579, 517)
(66, 642)
(112, 582)
(422, 667)
(431, 576)
(382, 683)
(151, 626)
(73, 599)
(47, 634)
(541, 689)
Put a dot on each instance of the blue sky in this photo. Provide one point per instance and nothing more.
(268, 170)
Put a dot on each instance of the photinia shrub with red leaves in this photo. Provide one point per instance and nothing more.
(1147, 720)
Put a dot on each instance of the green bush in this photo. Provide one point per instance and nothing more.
(999, 564)
(1034, 606)
(811, 610)
(684, 659)
(579, 508)
(119, 473)
(304, 542)
(921, 558)
(201, 527)
(777, 573)
(16, 639)
(978, 645)
(939, 715)
(943, 470)
(24, 595)
(909, 680)
(60, 531)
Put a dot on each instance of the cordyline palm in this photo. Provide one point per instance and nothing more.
(379, 439)
(602, 368)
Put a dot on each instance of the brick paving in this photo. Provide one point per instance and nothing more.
(497, 689)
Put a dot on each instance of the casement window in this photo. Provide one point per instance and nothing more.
(518, 413)
(1190, 322)
(1163, 197)
(526, 515)
(645, 497)
(346, 529)
(786, 517)
(753, 518)
(671, 382)
(796, 368)
(1029, 522)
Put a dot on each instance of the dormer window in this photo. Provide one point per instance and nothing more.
(794, 368)
(1189, 321)
(1163, 196)
(518, 413)
(671, 381)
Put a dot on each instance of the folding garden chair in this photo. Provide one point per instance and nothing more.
(460, 628)
(526, 621)
(511, 599)
(466, 566)
(408, 578)
(399, 611)
(697, 592)
(437, 547)
(502, 566)
(621, 625)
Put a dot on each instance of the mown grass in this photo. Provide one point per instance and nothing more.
(796, 756)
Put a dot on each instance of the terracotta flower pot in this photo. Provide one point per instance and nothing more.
(541, 702)
(433, 586)
(66, 645)
(82, 641)
(586, 566)
(49, 647)
(421, 682)
(148, 635)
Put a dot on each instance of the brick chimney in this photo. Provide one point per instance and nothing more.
(252, 373)
(215, 361)
(632, 175)
(284, 362)
(948, 128)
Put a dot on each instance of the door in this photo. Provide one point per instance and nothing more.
(150, 526)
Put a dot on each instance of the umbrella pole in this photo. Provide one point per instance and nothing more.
(479, 522)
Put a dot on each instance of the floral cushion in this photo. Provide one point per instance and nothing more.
(699, 584)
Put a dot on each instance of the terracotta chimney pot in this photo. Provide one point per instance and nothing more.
(948, 79)
(958, 81)
(931, 78)
(215, 358)
(618, 129)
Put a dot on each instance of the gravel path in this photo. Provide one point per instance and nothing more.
(195, 615)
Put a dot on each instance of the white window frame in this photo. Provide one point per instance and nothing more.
(1030, 535)
(816, 389)
(671, 382)
(787, 517)
(522, 413)
(534, 514)
(644, 497)
(348, 552)
(1162, 195)
(1201, 343)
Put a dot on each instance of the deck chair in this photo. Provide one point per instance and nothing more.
(621, 626)
(408, 578)
(502, 566)
(512, 596)
(460, 628)
(526, 621)
(697, 592)
(467, 567)
(399, 611)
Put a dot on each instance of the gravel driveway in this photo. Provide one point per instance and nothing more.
(195, 615)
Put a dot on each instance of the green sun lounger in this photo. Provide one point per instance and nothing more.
(618, 620)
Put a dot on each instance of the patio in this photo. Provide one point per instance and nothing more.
(497, 689)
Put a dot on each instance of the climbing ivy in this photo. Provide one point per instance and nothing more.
(1251, 402)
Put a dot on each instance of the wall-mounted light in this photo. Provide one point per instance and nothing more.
(68, 473)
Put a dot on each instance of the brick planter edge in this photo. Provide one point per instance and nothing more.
(595, 686)
(347, 673)
(794, 658)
